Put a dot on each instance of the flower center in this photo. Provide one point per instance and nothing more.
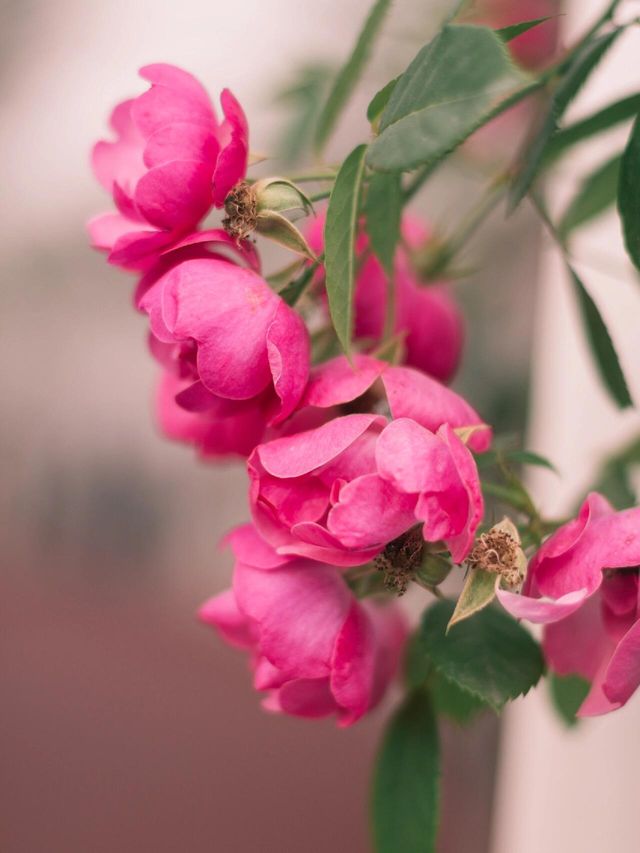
(400, 560)
(241, 207)
(496, 551)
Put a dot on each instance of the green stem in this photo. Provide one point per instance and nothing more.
(308, 177)
(319, 196)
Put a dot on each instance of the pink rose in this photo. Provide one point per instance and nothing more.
(426, 312)
(314, 647)
(583, 585)
(342, 491)
(238, 355)
(171, 161)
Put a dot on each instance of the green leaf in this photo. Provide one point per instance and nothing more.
(629, 194)
(383, 210)
(349, 74)
(339, 238)
(568, 692)
(379, 102)
(274, 226)
(597, 192)
(479, 590)
(514, 30)
(525, 457)
(570, 84)
(454, 85)
(451, 701)
(302, 98)
(294, 290)
(406, 781)
(604, 119)
(601, 345)
(490, 656)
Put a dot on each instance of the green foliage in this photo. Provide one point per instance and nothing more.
(576, 74)
(490, 656)
(453, 702)
(478, 591)
(614, 480)
(629, 194)
(294, 290)
(349, 74)
(302, 98)
(383, 210)
(451, 88)
(596, 193)
(339, 235)
(514, 30)
(406, 780)
(568, 692)
(379, 102)
(601, 345)
(604, 119)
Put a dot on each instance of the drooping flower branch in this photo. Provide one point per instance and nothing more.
(366, 474)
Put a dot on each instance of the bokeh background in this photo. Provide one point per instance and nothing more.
(124, 725)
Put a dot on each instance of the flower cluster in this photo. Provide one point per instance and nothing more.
(354, 464)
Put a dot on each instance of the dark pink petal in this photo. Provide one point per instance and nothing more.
(107, 228)
(139, 250)
(414, 459)
(175, 96)
(336, 382)
(316, 543)
(353, 666)
(370, 512)
(578, 644)
(461, 543)
(120, 161)
(305, 697)
(412, 394)
(574, 557)
(227, 310)
(218, 237)
(251, 549)
(266, 676)
(228, 428)
(434, 328)
(234, 144)
(221, 612)
(289, 352)
(294, 501)
(298, 611)
(127, 206)
(299, 454)
(391, 630)
(622, 676)
(181, 141)
(356, 461)
(542, 610)
(174, 196)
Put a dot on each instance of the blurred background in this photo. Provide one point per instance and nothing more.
(124, 725)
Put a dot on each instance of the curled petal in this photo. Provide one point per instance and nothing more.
(222, 612)
(175, 195)
(234, 142)
(289, 353)
(336, 381)
(412, 394)
(295, 455)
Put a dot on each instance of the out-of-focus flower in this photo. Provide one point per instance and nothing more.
(343, 491)
(537, 46)
(425, 312)
(237, 354)
(314, 647)
(583, 583)
(171, 161)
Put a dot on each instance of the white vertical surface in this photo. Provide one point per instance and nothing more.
(577, 791)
